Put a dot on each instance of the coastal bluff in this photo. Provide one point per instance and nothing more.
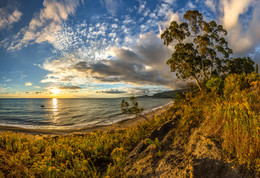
(171, 156)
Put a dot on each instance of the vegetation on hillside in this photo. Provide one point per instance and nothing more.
(87, 155)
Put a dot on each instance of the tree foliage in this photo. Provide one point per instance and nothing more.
(240, 65)
(200, 48)
(134, 109)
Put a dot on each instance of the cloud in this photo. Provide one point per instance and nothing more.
(243, 33)
(8, 80)
(7, 19)
(111, 91)
(61, 71)
(257, 58)
(211, 5)
(111, 5)
(191, 5)
(170, 16)
(138, 91)
(44, 25)
(28, 84)
(163, 9)
(143, 64)
(171, 2)
(232, 9)
(69, 88)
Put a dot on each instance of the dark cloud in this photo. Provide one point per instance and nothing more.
(70, 88)
(139, 91)
(145, 64)
(256, 58)
(111, 91)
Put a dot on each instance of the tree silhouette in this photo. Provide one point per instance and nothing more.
(256, 68)
(200, 48)
(134, 109)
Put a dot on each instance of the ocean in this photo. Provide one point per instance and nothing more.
(67, 113)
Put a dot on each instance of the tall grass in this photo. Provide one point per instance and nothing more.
(231, 118)
(90, 155)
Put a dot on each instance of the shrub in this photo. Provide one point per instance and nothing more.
(216, 85)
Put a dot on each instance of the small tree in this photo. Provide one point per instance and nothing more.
(256, 68)
(134, 109)
(207, 53)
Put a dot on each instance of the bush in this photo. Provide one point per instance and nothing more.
(235, 82)
(216, 85)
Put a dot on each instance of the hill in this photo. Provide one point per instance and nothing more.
(166, 94)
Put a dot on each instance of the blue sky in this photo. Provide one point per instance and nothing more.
(105, 48)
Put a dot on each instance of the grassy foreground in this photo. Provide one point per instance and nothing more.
(228, 114)
(89, 155)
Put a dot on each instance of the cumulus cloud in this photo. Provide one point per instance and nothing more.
(242, 38)
(7, 19)
(232, 9)
(44, 25)
(144, 63)
(28, 84)
(61, 71)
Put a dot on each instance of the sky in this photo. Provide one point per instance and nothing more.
(105, 48)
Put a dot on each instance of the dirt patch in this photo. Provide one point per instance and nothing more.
(199, 157)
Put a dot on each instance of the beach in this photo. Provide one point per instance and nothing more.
(122, 124)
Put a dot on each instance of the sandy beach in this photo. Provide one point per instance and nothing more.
(118, 125)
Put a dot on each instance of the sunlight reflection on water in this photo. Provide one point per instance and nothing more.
(55, 110)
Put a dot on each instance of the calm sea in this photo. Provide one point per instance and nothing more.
(66, 113)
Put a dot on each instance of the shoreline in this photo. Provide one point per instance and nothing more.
(121, 124)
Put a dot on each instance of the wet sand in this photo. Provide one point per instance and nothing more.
(118, 125)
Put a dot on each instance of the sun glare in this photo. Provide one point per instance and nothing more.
(55, 91)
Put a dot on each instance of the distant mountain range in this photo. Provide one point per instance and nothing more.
(167, 94)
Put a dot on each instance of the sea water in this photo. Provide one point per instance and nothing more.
(72, 113)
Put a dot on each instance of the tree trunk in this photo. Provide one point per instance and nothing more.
(143, 117)
(202, 62)
(197, 82)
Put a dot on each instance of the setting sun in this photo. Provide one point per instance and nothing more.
(55, 91)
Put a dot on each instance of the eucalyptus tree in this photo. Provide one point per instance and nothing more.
(200, 48)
